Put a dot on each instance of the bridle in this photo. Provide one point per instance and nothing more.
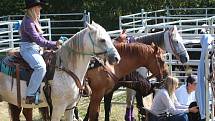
(93, 53)
(173, 47)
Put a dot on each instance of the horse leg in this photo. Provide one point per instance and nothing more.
(57, 112)
(14, 112)
(69, 114)
(44, 111)
(87, 114)
(141, 111)
(27, 112)
(107, 105)
(130, 100)
(95, 101)
(76, 112)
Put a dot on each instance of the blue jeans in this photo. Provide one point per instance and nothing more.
(30, 53)
(178, 117)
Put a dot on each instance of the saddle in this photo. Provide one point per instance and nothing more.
(14, 59)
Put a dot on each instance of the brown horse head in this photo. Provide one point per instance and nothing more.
(158, 68)
(135, 55)
(122, 37)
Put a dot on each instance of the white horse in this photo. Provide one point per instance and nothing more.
(170, 41)
(74, 55)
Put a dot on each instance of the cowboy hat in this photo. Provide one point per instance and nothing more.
(32, 3)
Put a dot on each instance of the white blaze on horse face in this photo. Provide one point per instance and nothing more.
(174, 44)
(103, 43)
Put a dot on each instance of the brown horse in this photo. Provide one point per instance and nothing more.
(133, 56)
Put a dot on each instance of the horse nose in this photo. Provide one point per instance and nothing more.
(116, 59)
(113, 59)
(183, 59)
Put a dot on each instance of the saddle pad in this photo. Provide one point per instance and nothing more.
(8, 66)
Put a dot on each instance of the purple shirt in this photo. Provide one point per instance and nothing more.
(130, 39)
(29, 34)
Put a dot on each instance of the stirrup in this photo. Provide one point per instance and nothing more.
(37, 98)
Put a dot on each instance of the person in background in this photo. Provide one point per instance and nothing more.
(186, 96)
(165, 105)
(186, 93)
(31, 41)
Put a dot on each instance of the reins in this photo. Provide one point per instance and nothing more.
(111, 74)
(69, 72)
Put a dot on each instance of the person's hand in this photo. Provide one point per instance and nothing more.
(59, 43)
(194, 109)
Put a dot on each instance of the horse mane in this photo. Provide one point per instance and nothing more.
(70, 48)
(157, 38)
(131, 48)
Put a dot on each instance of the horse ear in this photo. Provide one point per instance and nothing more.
(173, 29)
(93, 23)
(153, 44)
(91, 27)
(155, 47)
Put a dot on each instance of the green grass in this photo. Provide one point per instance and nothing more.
(117, 114)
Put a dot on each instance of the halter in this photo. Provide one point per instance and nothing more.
(172, 46)
(91, 53)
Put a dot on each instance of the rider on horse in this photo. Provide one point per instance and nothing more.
(31, 40)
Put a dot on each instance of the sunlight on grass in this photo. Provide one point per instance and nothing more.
(117, 114)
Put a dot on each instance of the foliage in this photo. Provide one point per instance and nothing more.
(104, 12)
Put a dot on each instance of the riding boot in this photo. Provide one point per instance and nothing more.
(128, 114)
(30, 99)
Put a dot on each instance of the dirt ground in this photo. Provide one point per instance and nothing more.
(117, 114)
